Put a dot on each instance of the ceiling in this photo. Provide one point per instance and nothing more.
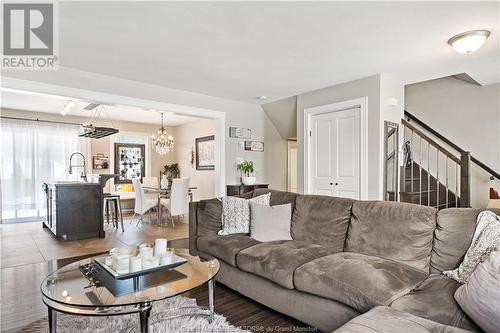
(55, 104)
(240, 50)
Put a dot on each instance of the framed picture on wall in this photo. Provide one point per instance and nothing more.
(254, 145)
(205, 153)
(129, 162)
(241, 133)
(100, 162)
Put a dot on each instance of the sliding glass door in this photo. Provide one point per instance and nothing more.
(33, 152)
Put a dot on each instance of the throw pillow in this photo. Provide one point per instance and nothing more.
(480, 297)
(236, 213)
(484, 241)
(270, 223)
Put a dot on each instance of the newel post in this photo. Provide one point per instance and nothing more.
(465, 175)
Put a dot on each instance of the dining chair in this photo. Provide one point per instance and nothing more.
(177, 203)
(150, 182)
(142, 203)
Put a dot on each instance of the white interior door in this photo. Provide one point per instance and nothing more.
(335, 141)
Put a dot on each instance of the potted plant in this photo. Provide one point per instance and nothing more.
(171, 171)
(247, 168)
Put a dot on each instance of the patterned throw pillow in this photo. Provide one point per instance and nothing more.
(480, 296)
(236, 213)
(485, 240)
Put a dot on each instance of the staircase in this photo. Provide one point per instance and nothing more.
(435, 174)
(422, 188)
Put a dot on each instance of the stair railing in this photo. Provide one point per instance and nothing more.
(432, 165)
(493, 173)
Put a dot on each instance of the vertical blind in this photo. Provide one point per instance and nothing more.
(33, 152)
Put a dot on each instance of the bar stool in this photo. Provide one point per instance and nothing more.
(116, 209)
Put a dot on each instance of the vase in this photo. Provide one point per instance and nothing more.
(248, 180)
(164, 182)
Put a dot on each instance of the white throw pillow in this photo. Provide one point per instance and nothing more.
(480, 297)
(270, 223)
(236, 213)
(484, 241)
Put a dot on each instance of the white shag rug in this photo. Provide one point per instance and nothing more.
(162, 309)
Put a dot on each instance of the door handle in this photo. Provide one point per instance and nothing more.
(336, 184)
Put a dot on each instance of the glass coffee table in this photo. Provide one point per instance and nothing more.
(84, 288)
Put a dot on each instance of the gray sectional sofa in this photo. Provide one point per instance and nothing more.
(346, 258)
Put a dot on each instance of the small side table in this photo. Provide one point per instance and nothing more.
(232, 190)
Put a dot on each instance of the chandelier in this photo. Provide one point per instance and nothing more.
(162, 143)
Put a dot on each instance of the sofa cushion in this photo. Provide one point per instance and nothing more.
(209, 215)
(270, 223)
(321, 220)
(358, 280)
(393, 230)
(277, 197)
(278, 260)
(383, 319)
(480, 296)
(225, 247)
(453, 235)
(433, 299)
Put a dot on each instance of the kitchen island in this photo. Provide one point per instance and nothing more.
(74, 209)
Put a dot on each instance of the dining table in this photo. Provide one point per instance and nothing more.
(165, 193)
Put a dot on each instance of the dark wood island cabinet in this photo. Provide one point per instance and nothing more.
(74, 209)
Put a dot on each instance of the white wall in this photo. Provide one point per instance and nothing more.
(367, 87)
(237, 113)
(185, 136)
(391, 92)
(468, 115)
(276, 157)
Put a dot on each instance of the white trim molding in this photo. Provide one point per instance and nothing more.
(362, 103)
(13, 84)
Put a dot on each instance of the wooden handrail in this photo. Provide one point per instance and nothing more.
(483, 166)
(431, 142)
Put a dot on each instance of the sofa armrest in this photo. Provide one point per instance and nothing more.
(205, 218)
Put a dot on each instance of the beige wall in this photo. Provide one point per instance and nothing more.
(237, 114)
(468, 115)
(367, 87)
(185, 136)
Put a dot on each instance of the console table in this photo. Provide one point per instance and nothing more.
(232, 190)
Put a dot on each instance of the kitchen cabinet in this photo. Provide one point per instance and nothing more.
(74, 209)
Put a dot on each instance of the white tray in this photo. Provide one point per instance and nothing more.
(176, 261)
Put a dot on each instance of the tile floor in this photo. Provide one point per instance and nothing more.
(29, 243)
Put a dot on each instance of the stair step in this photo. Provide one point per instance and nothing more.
(418, 192)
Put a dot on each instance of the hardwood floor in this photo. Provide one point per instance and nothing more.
(29, 253)
(29, 243)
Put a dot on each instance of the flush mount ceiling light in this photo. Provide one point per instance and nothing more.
(262, 98)
(470, 41)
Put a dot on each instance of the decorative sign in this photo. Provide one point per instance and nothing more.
(254, 145)
(241, 133)
(205, 153)
(100, 161)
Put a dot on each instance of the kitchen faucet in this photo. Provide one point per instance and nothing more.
(71, 166)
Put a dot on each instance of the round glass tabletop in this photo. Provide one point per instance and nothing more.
(86, 284)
